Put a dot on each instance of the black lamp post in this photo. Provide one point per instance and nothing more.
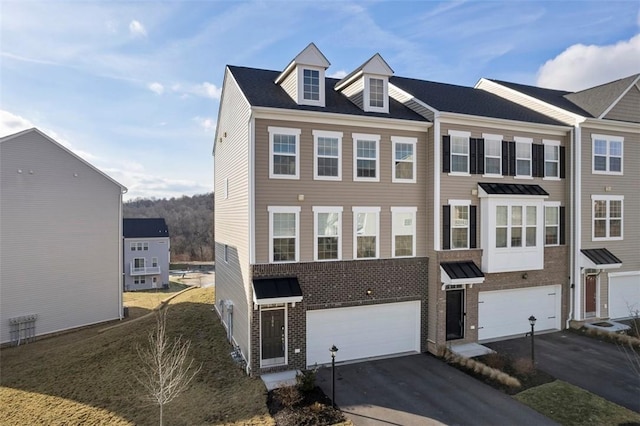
(532, 321)
(333, 351)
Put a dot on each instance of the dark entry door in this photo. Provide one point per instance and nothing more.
(273, 334)
(455, 314)
(590, 295)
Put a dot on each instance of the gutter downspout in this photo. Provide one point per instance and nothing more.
(577, 242)
(572, 257)
(120, 256)
(251, 245)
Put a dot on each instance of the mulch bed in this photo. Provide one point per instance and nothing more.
(290, 406)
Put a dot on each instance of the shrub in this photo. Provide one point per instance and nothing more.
(495, 360)
(523, 366)
(306, 380)
(289, 396)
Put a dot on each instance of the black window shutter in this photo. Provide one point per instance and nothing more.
(512, 158)
(472, 155)
(534, 161)
(505, 158)
(562, 225)
(446, 227)
(480, 155)
(562, 161)
(472, 227)
(540, 160)
(446, 154)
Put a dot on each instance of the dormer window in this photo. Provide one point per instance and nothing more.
(311, 85)
(375, 93)
(368, 85)
(303, 78)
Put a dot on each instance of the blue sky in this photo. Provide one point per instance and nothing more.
(134, 87)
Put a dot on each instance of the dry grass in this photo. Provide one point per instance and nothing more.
(85, 377)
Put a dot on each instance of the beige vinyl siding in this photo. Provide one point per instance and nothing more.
(231, 159)
(627, 185)
(59, 238)
(410, 102)
(627, 109)
(345, 193)
(290, 84)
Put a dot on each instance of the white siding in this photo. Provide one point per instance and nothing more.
(59, 237)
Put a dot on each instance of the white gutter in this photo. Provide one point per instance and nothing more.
(437, 161)
(252, 228)
(572, 256)
(577, 243)
(120, 256)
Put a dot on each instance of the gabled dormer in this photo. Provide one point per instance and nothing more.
(303, 78)
(368, 85)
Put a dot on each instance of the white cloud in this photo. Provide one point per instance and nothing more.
(137, 29)
(144, 185)
(156, 88)
(207, 90)
(580, 67)
(338, 74)
(11, 123)
(208, 124)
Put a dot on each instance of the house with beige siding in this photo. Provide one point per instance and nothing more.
(383, 215)
(60, 240)
(605, 169)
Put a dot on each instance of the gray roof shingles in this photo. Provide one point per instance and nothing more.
(144, 228)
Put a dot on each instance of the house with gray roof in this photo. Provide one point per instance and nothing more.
(146, 248)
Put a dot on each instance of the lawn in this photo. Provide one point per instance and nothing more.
(85, 377)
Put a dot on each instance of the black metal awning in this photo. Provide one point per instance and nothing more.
(599, 258)
(459, 273)
(515, 189)
(268, 291)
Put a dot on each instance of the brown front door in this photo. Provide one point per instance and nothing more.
(590, 295)
(273, 336)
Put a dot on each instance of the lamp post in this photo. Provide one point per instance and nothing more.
(333, 351)
(532, 321)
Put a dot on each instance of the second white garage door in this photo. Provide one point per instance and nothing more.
(505, 312)
(363, 331)
(624, 294)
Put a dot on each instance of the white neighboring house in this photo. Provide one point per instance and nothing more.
(60, 247)
(146, 253)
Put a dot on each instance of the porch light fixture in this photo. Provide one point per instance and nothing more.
(369, 292)
(524, 277)
(333, 351)
(532, 321)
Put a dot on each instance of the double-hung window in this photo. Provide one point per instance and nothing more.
(492, 154)
(459, 151)
(404, 159)
(552, 224)
(284, 234)
(328, 232)
(523, 156)
(607, 154)
(284, 158)
(459, 224)
(516, 226)
(311, 85)
(376, 92)
(366, 227)
(366, 164)
(607, 217)
(328, 155)
(551, 159)
(403, 229)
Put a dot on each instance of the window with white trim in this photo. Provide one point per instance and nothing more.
(154, 262)
(311, 85)
(523, 156)
(459, 151)
(366, 164)
(516, 226)
(375, 97)
(284, 234)
(607, 154)
(551, 224)
(403, 230)
(328, 233)
(607, 217)
(492, 154)
(459, 224)
(551, 159)
(327, 148)
(284, 160)
(366, 230)
(404, 159)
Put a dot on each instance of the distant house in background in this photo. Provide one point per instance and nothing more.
(60, 249)
(146, 253)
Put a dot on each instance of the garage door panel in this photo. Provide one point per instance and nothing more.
(624, 295)
(506, 312)
(363, 331)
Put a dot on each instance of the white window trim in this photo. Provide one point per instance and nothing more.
(528, 141)
(284, 131)
(489, 136)
(385, 96)
(609, 139)
(404, 140)
(301, 99)
(413, 211)
(460, 134)
(555, 205)
(355, 211)
(457, 203)
(547, 143)
(326, 134)
(326, 209)
(284, 209)
(365, 137)
(607, 219)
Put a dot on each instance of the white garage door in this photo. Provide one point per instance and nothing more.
(363, 331)
(505, 312)
(624, 295)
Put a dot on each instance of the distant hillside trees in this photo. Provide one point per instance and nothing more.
(190, 221)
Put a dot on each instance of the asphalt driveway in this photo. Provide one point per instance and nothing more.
(421, 390)
(597, 366)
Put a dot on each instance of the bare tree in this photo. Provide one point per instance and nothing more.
(164, 371)
(630, 347)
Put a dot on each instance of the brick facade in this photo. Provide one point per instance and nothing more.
(341, 284)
